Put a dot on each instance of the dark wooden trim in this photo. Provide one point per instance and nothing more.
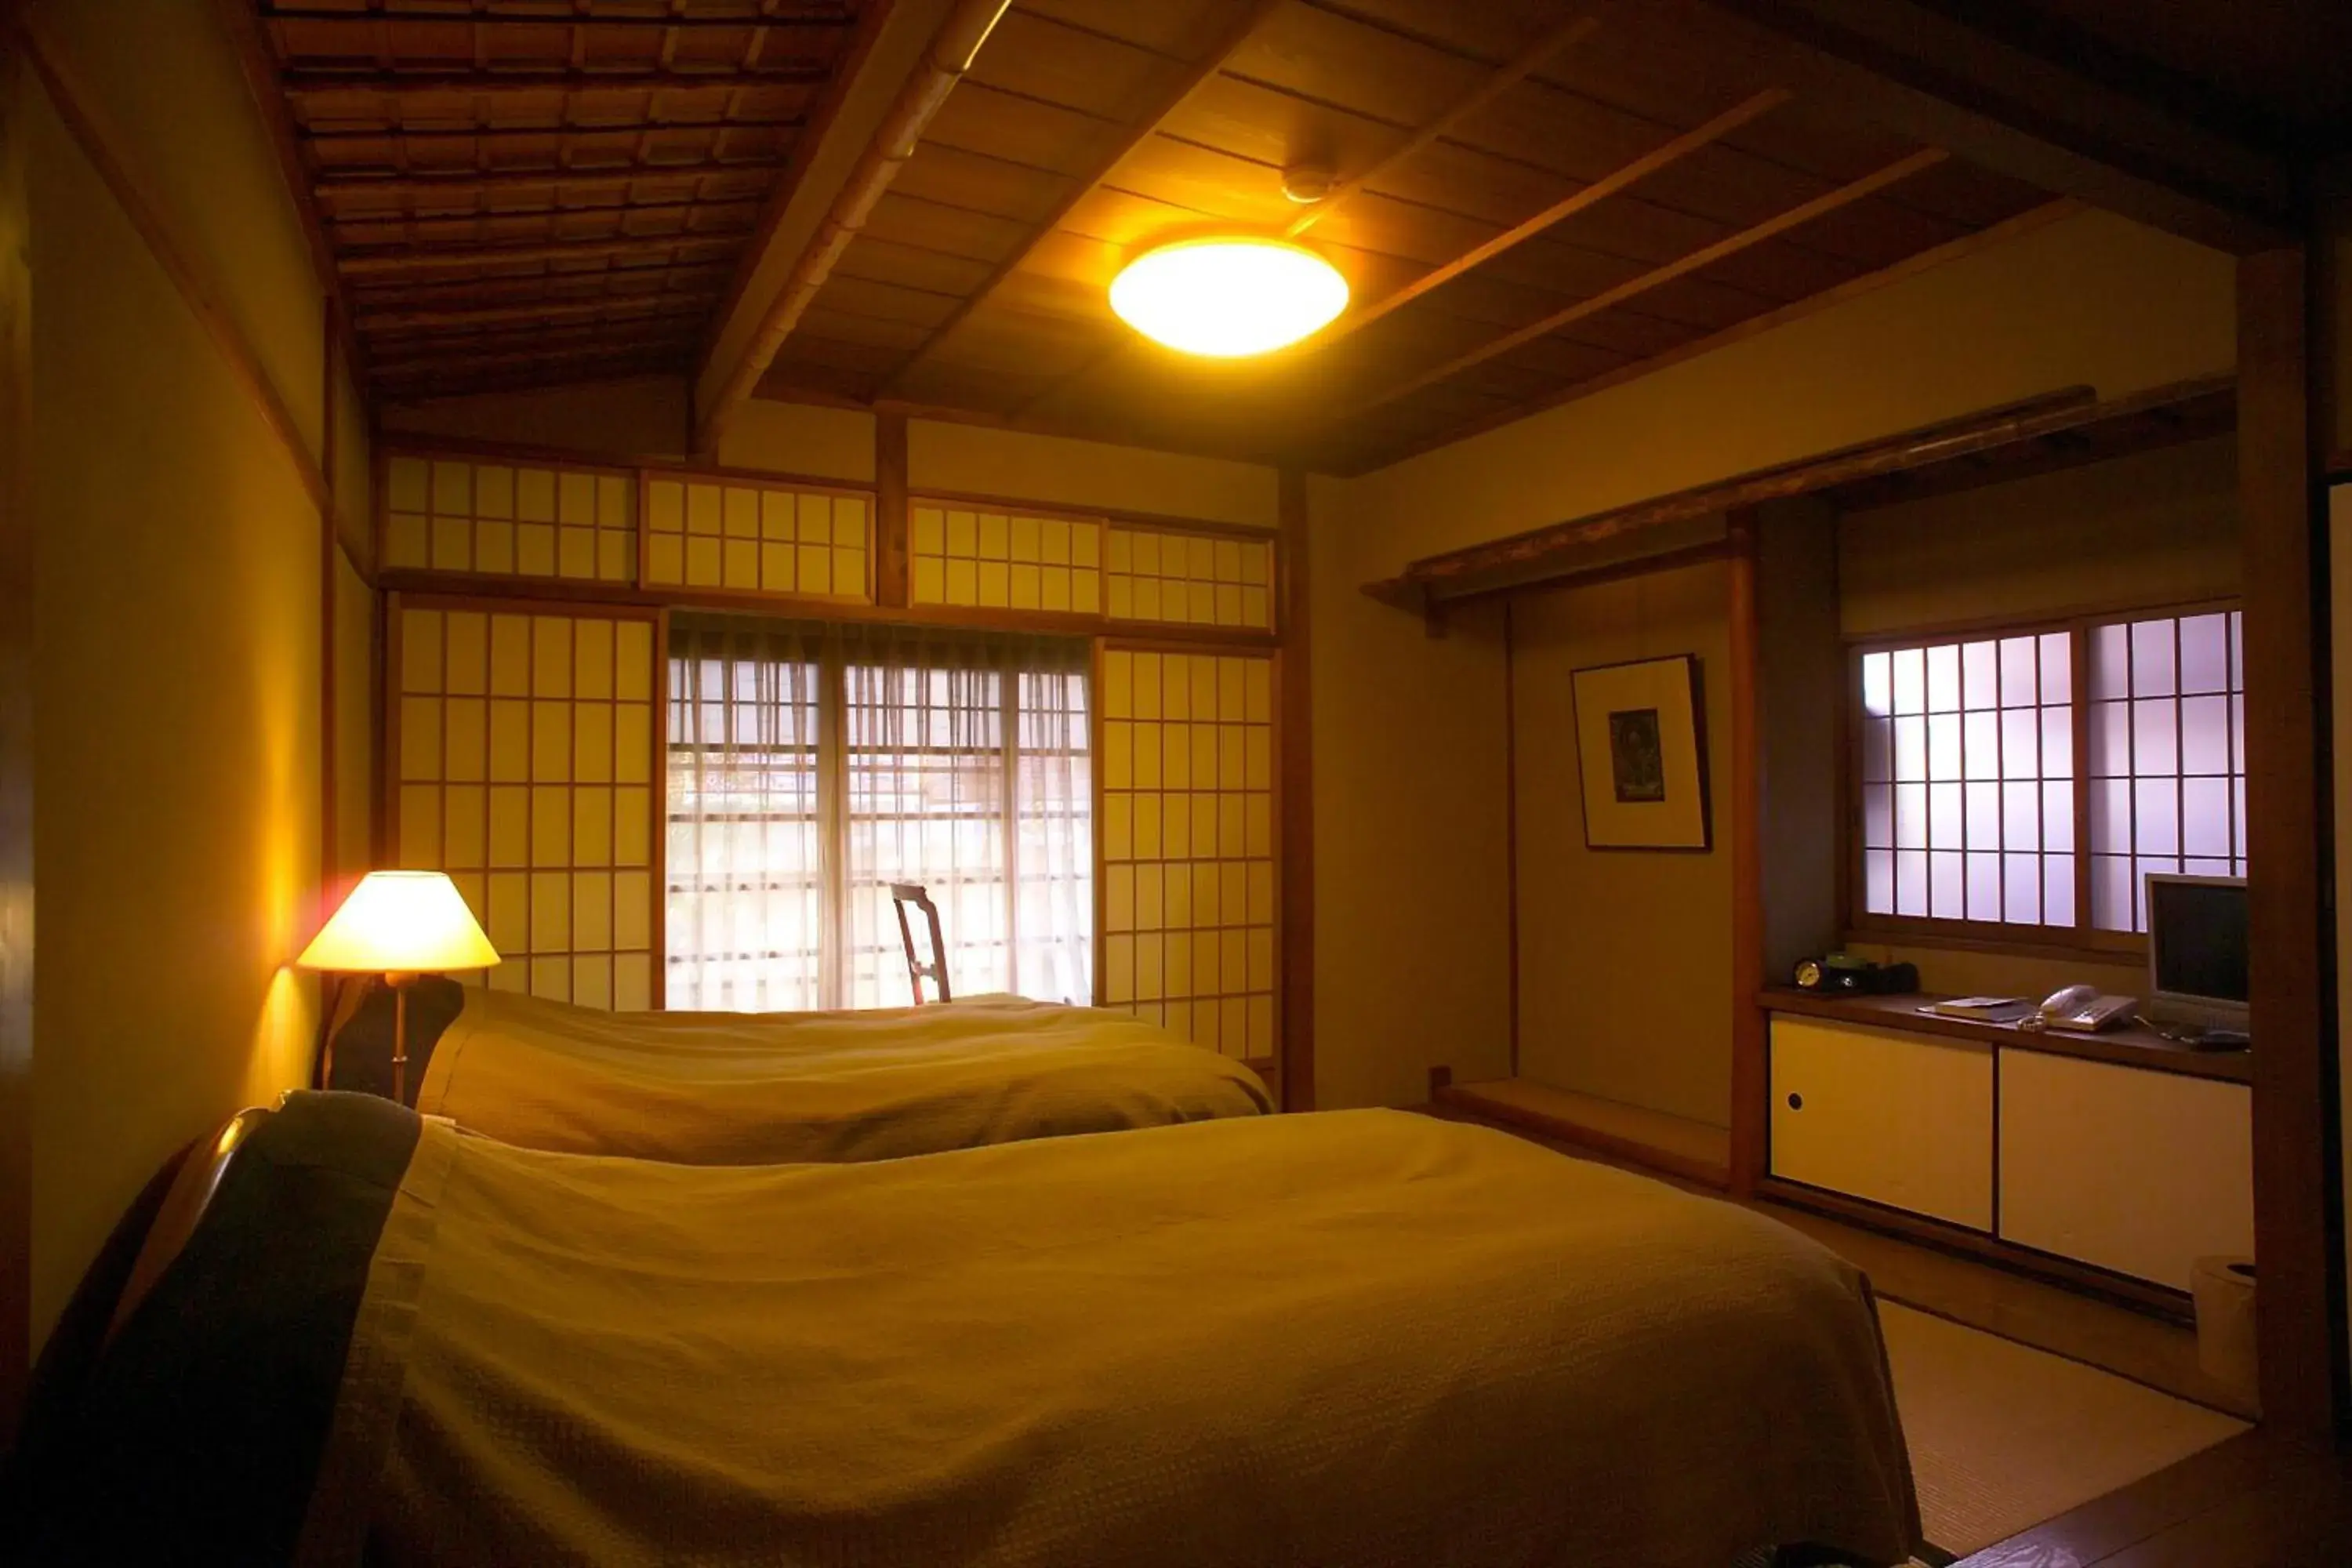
(1511, 819)
(810, 16)
(2130, 1048)
(2071, 618)
(17, 672)
(2156, 1300)
(2297, 1178)
(580, 591)
(329, 530)
(893, 513)
(969, 500)
(2064, 413)
(1984, 936)
(1465, 1099)
(415, 182)
(419, 444)
(100, 142)
(1420, 598)
(1750, 1078)
(1295, 738)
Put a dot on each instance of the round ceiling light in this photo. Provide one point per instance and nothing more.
(1228, 298)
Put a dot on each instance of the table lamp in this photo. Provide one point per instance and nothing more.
(400, 925)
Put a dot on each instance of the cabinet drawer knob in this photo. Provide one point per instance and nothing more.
(1796, 1102)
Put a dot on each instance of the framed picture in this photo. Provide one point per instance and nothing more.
(1642, 753)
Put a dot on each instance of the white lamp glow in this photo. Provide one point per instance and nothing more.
(1228, 298)
(400, 925)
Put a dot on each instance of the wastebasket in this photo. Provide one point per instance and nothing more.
(2223, 1289)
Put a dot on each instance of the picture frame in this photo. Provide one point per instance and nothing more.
(1640, 745)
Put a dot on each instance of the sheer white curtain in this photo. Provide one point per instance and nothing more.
(877, 755)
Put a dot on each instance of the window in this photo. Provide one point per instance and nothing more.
(2031, 778)
(811, 766)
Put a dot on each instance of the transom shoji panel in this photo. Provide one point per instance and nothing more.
(1189, 893)
(1006, 561)
(523, 748)
(509, 520)
(1196, 579)
(753, 538)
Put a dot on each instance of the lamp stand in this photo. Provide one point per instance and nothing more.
(400, 982)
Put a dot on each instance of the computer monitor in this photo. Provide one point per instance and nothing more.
(2197, 949)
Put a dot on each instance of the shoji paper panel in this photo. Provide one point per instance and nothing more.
(509, 520)
(1197, 579)
(750, 538)
(1189, 895)
(522, 751)
(1006, 561)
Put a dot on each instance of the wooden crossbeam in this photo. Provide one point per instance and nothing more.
(1609, 184)
(402, 293)
(814, 16)
(1173, 98)
(624, 307)
(303, 81)
(400, 184)
(637, 127)
(661, 211)
(504, 352)
(508, 255)
(1557, 41)
(1608, 299)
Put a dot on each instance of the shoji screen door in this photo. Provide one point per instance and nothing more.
(522, 752)
(1189, 890)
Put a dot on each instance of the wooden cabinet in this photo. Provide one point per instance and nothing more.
(1901, 1120)
(2139, 1172)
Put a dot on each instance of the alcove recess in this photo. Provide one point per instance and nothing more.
(1775, 786)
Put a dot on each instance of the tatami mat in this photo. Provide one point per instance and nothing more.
(2003, 1437)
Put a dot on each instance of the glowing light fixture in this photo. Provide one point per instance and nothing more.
(1228, 298)
(400, 925)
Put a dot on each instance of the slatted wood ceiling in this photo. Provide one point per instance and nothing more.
(1535, 195)
(520, 193)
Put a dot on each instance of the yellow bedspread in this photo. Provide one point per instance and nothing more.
(1355, 1338)
(718, 1088)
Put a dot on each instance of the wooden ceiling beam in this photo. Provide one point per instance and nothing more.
(1671, 152)
(306, 81)
(693, 302)
(814, 16)
(639, 127)
(394, 184)
(1557, 41)
(1247, 21)
(735, 365)
(681, 211)
(1928, 71)
(1608, 299)
(509, 255)
(447, 356)
(402, 293)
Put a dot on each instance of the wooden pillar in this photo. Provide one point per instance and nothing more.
(1745, 824)
(893, 555)
(1297, 770)
(330, 526)
(2288, 841)
(15, 735)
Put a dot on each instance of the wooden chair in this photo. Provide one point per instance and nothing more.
(936, 971)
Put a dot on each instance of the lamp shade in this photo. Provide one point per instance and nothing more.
(401, 922)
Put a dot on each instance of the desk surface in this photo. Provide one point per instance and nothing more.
(2131, 1046)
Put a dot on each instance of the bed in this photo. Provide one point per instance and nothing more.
(757, 1089)
(1354, 1338)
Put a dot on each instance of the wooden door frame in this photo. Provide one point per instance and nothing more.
(16, 562)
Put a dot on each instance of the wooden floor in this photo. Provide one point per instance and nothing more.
(2256, 1501)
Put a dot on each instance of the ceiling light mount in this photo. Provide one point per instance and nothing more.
(1309, 183)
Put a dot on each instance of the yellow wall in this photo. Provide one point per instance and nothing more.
(1411, 926)
(1625, 955)
(989, 462)
(634, 416)
(2160, 528)
(177, 639)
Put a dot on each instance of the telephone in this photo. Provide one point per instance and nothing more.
(2081, 1008)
